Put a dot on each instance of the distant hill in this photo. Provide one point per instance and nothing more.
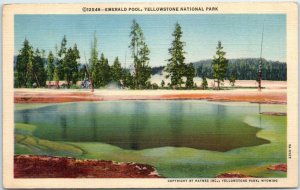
(157, 70)
(242, 69)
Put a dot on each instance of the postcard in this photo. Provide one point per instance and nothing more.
(150, 95)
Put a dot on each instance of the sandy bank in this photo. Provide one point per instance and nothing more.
(275, 96)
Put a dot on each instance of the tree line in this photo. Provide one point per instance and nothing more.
(241, 69)
(246, 69)
(34, 69)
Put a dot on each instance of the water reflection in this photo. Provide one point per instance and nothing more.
(25, 116)
(147, 124)
(63, 124)
(93, 119)
(136, 127)
(259, 113)
(176, 122)
(219, 123)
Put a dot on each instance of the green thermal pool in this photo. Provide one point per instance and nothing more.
(180, 138)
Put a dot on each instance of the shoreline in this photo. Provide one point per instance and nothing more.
(266, 96)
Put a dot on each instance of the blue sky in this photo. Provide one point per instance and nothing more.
(239, 33)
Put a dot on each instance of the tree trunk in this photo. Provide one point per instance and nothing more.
(92, 85)
(37, 81)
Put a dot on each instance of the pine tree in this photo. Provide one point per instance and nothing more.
(56, 77)
(204, 83)
(145, 70)
(190, 74)
(176, 66)
(94, 51)
(23, 66)
(219, 65)
(96, 73)
(101, 73)
(61, 55)
(93, 69)
(106, 72)
(30, 70)
(50, 66)
(116, 71)
(135, 35)
(63, 47)
(38, 72)
(127, 79)
(70, 65)
(140, 54)
(67, 64)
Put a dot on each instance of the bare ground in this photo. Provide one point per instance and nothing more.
(272, 96)
(32, 166)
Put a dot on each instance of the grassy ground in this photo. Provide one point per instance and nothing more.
(29, 106)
